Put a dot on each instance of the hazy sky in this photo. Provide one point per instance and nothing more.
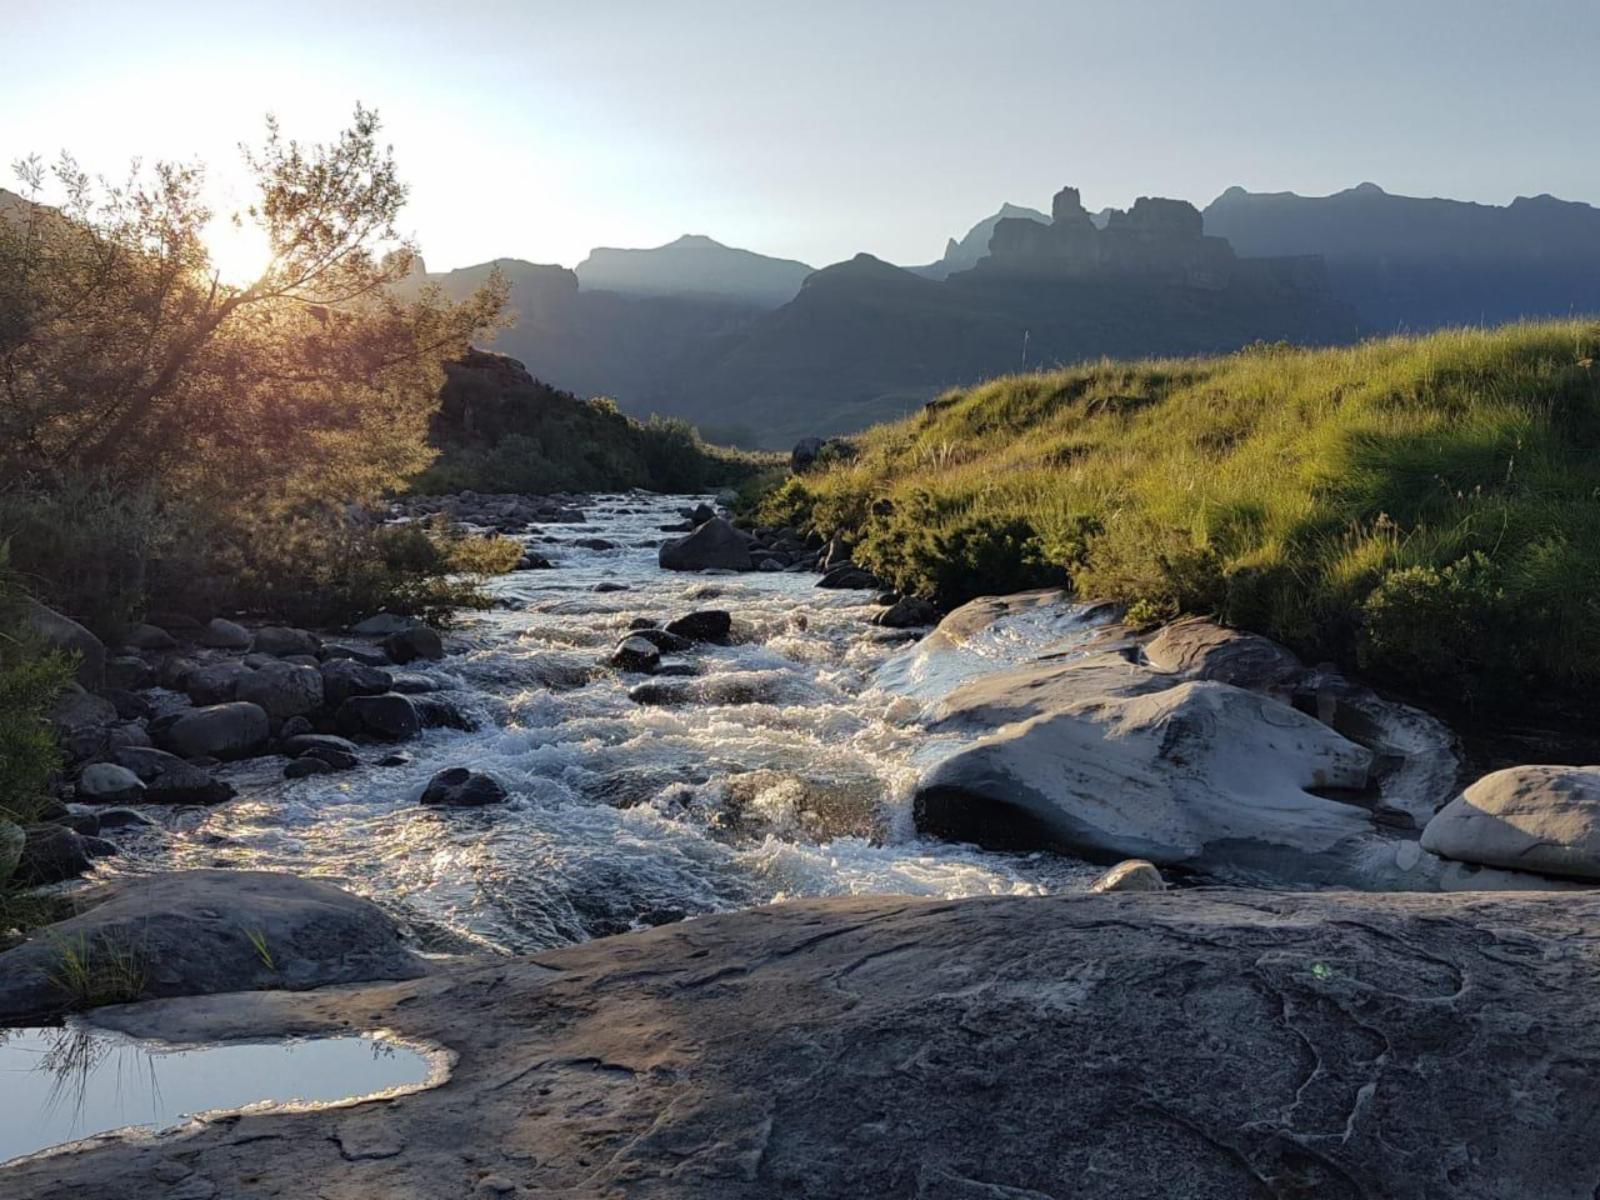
(813, 129)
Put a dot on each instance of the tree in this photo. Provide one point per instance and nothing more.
(124, 354)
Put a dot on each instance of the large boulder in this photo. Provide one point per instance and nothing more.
(636, 653)
(1221, 1045)
(716, 545)
(1532, 818)
(109, 783)
(706, 625)
(54, 854)
(221, 634)
(345, 677)
(234, 730)
(282, 641)
(1199, 648)
(65, 634)
(388, 718)
(459, 787)
(169, 779)
(408, 645)
(193, 933)
(83, 722)
(283, 689)
(214, 683)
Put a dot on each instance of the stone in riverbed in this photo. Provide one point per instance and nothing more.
(64, 634)
(1529, 818)
(851, 577)
(367, 656)
(707, 625)
(389, 717)
(283, 689)
(55, 854)
(663, 640)
(282, 641)
(715, 545)
(107, 783)
(636, 654)
(344, 677)
(235, 730)
(215, 683)
(149, 637)
(411, 644)
(129, 672)
(384, 624)
(220, 634)
(199, 932)
(309, 765)
(169, 779)
(459, 787)
(908, 612)
(1199, 648)
(1130, 875)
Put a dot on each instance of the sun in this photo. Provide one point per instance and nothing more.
(239, 251)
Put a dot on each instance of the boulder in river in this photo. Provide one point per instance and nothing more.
(283, 689)
(1130, 875)
(108, 783)
(191, 933)
(716, 545)
(459, 787)
(169, 779)
(64, 634)
(282, 641)
(851, 577)
(389, 718)
(221, 634)
(346, 677)
(408, 645)
(383, 624)
(1199, 648)
(907, 612)
(214, 683)
(704, 625)
(54, 854)
(1530, 818)
(83, 722)
(636, 653)
(1218, 1045)
(235, 730)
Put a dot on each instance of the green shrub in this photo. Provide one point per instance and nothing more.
(30, 680)
(1440, 627)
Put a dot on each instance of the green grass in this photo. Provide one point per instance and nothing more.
(1427, 509)
(90, 973)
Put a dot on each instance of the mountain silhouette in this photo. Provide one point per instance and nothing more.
(694, 266)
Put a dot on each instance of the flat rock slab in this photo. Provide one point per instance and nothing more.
(192, 933)
(1200, 1045)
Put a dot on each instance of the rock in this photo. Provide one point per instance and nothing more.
(175, 623)
(50, 854)
(12, 839)
(413, 685)
(283, 689)
(318, 744)
(226, 731)
(297, 726)
(367, 656)
(65, 634)
(459, 787)
(770, 565)
(129, 672)
(216, 683)
(635, 653)
(281, 641)
(219, 634)
(149, 637)
(383, 625)
(83, 723)
(1204, 1046)
(534, 562)
(835, 554)
(663, 640)
(436, 712)
(604, 587)
(107, 783)
(637, 623)
(908, 612)
(805, 453)
(706, 625)
(1130, 875)
(130, 706)
(122, 818)
(1529, 818)
(175, 670)
(411, 644)
(195, 933)
(715, 545)
(1199, 648)
(594, 544)
(126, 733)
(851, 577)
(310, 765)
(389, 718)
(169, 779)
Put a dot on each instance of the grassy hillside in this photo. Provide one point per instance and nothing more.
(1427, 509)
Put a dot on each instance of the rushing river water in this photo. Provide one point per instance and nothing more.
(623, 815)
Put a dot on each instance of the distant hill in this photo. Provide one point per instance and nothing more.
(1406, 262)
(963, 255)
(697, 267)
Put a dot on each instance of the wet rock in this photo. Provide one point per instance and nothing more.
(851, 577)
(715, 545)
(344, 677)
(605, 586)
(220, 634)
(108, 783)
(169, 779)
(130, 706)
(175, 670)
(1528, 818)
(1199, 648)
(414, 643)
(225, 731)
(66, 635)
(459, 787)
(664, 640)
(635, 653)
(534, 562)
(216, 683)
(300, 768)
(200, 932)
(594, 544)
(437, 712)
(700, 514)
(638, 623)
(122, 818)
(318, 744)
(413, 685)
(282, 641)
(282, 689)
(383, 625)
(908, 612)
(1130, 875)
(367, 656)
(390, 717)
(83, 723)
(50, 854)
(149, 637)
(706, 625)
(129, 672)
(297, 726)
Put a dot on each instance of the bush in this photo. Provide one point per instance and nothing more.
(30, 681)
(1432, 627)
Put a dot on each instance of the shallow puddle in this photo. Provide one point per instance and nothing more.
(61, 1084)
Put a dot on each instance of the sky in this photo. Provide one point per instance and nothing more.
(819, 129)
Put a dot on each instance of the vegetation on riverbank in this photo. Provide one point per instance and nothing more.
(1424, 509)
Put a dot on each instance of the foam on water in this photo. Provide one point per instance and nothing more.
(621, 814)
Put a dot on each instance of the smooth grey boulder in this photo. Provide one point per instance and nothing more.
(459, 787)
(222, 634)
(346, 677)
(908, 612)
(716, 545)
(383, 624)
(367, 656)
(214, 683)
(705, 625)
(282, 689)
(318, 744)
(1130, 875)
(53, 854)
(169, 779)
(64, 634)
(389, 718)
(282, 641)
(226, 731)
(128, 673)
(149, 637)
(83, 723)
(108, 783)
(849, 577)
(636, 653)
(408, 645)
(1197, 1045)
(1199, 648)
(1530, 818)
(192, 933)
(663, 640)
